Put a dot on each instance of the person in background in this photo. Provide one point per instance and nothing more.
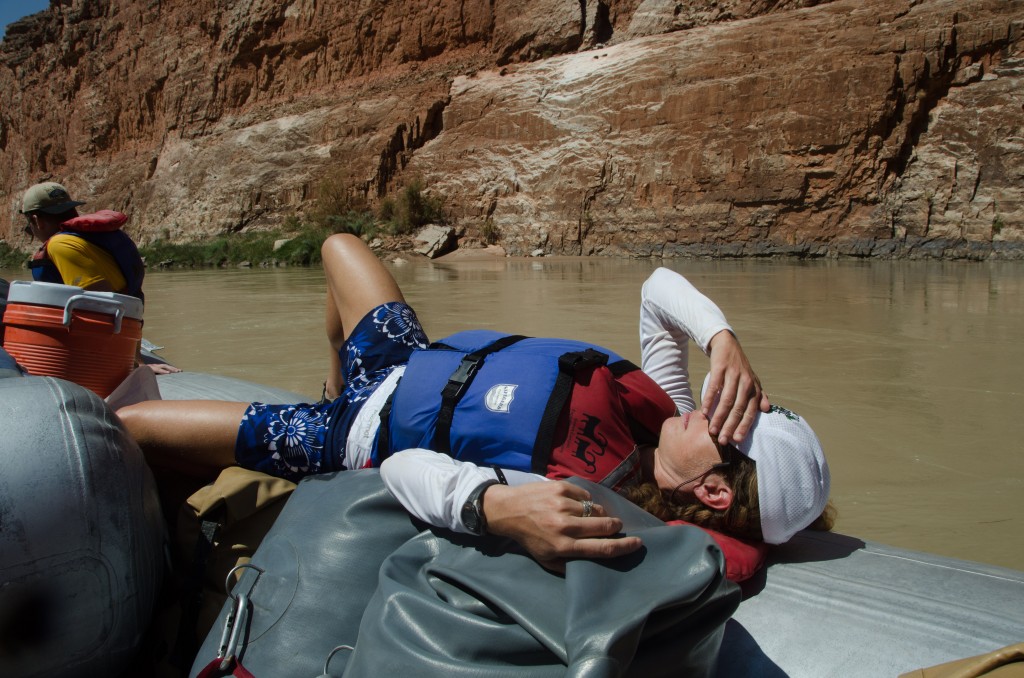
(89, 251)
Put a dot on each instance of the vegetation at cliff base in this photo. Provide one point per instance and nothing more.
(10, 257)
(301, 246)
(337, 209)
(255, 249)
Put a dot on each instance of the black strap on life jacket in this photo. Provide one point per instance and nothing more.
(458, 384)
(569, 364)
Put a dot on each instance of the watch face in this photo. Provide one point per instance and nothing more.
(471, 517)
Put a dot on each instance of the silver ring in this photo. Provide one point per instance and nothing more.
(588, 508)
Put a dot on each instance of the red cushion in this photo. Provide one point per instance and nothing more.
(742, 558)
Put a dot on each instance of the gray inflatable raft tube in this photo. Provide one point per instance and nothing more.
(82, 536)
(832, 605)
(199, 386)
(81, 533)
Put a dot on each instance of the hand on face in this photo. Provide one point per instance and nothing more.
(546, 518)
(739, 390)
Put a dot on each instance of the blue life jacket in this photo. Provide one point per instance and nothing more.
(116, 243)
(490, 398)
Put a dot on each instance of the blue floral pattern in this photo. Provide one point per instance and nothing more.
(293, 441)
(283, 440)
(392, 323)
(399, 322)
(296, 438)
(357, 383)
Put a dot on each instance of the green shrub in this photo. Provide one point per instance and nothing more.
(357, 223)
(303, 249)
(997, 225)
(10, 257)
(387, 210)
(489, 232)
(411, 209)
(337, 209)
(292, 224)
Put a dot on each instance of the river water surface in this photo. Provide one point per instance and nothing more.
(911, 373)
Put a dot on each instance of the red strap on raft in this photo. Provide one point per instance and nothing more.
(233, 668)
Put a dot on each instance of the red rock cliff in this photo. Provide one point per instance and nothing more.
(862, 127)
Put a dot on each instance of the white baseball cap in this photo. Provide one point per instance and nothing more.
(793, 479)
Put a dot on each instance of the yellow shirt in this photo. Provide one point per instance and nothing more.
(83, 264)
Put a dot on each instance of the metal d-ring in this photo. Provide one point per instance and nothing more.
(327, 664)
(236, 568)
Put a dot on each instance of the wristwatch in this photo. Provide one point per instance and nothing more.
(472, 515)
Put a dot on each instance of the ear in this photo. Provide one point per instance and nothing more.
(714, 492)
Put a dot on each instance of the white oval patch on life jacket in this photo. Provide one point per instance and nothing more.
(499, 397)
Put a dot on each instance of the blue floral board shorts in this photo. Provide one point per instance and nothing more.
(293, 441)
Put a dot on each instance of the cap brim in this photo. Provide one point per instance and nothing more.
(61, 208)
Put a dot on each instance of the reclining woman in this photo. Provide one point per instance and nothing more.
(750, 470)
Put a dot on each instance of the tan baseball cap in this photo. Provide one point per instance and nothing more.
(49, 197)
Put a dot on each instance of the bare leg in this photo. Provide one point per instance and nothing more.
(195, 437)
(198, 437)
(357, 282)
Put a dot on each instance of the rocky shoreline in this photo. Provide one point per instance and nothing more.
(436, 242)
(910, 249)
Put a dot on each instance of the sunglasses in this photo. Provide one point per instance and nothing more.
(727, 453)
(28, 225)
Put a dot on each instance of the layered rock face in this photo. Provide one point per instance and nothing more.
(625, 127)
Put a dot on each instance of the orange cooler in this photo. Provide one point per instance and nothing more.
(89, 338)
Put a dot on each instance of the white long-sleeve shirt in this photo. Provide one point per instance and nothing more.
(433, 487)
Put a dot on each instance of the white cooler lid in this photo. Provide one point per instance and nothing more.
(58, 296)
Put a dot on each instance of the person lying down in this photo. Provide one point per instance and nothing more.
(531, 408)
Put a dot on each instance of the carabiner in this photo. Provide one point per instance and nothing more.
(235, 621)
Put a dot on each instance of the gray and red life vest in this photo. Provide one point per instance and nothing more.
(556, 407)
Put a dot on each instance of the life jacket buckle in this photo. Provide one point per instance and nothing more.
(462, 376)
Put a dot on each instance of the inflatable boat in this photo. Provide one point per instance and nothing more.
(81, 554)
